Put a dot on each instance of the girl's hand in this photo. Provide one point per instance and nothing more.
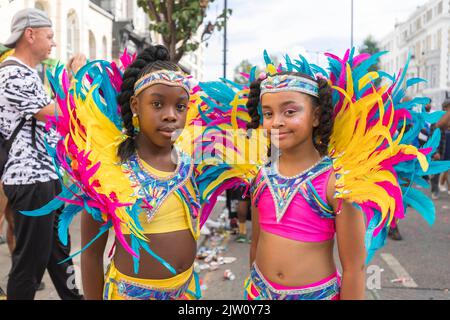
(75, 63)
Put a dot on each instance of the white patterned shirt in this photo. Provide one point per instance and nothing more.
(22, 95)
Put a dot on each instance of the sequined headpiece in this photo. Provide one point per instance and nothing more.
(286, 82)
(167, 77)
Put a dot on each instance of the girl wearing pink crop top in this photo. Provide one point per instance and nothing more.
(295, 217)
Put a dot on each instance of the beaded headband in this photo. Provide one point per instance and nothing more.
(167, 77)
(287, 82)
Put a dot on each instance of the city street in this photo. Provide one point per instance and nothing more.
(414, 268)
(116, 81)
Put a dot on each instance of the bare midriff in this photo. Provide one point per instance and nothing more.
(292, 263)
(177, 248)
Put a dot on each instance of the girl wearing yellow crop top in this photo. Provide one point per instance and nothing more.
(119, 163)
(153, 98)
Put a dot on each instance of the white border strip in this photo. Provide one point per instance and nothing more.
(399, 270)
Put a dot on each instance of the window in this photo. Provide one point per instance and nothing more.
(429, 15)
(104, 4)
(434, 76)
(439, 39)
(73, 34)
(417, 52)
(418, 24)
(105, 48)
(92, 46)
(440, 7)
(428, 44)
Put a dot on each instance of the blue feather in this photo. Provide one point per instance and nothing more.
(421, 203)
(403, 75)
(103, 229)
(252, 74)
(433, 117)
(433, 142)
(267, 59)
(288, 62)
(54, 204)
(317, 69)
(413, 81)
(136, 244)
(65, 219)
(383, 74)
(373, 244)
(363, 68)
(436, 167)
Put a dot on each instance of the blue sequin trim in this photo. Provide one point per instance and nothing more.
(326, 291)
(136, 291)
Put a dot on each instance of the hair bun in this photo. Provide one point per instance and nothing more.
(161, 53)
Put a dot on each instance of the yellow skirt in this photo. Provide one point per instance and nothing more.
(183, 286)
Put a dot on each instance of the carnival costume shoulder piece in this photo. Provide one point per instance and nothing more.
(370, 151)
(117, 194)
(93, 177)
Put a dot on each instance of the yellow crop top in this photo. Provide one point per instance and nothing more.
(171, 216)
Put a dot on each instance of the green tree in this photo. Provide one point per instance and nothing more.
(177, 21)
(370, 46)
(244, 67)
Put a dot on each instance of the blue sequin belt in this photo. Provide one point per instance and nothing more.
(256, 281)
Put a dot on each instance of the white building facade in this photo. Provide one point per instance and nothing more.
(79, 26)
(425, 36)
(101, 29)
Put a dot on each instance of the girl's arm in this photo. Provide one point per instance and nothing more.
(255, 234)
(92, 272)
(444, 122)
(350, 233)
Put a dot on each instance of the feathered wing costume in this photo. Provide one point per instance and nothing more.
(92, 176)
(217, 125)
(375, 164)
(86, 154)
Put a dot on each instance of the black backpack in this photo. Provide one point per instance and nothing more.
(6, 144)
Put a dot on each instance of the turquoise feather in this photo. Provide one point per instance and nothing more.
(103, 229)
(373, 244)
(422, 204)
(65, 219)
(54, 204)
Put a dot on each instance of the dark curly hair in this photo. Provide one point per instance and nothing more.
(322, 133)
(149, 60)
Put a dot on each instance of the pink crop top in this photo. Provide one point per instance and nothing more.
(299, 222)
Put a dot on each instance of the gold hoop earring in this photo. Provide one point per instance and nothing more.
(135, 122)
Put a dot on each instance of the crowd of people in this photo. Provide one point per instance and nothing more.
(298, 202)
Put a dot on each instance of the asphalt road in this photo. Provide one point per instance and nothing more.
(415, 268)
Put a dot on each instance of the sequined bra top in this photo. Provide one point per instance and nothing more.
(295, 207)
(168, 200)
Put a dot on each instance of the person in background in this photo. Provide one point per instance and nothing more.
(29, 178)
(444, 181)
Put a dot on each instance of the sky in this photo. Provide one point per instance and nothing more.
(309, 27)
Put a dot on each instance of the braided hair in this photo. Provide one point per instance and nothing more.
(149, 60)
(322, 133)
